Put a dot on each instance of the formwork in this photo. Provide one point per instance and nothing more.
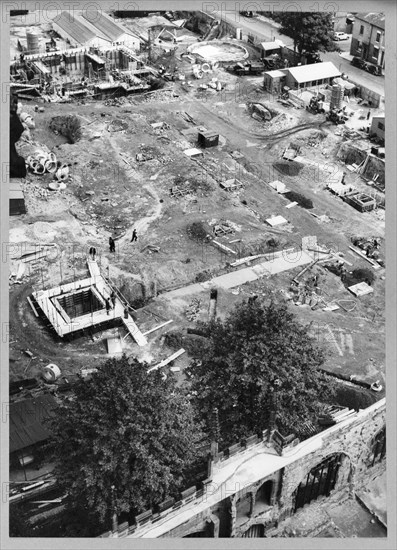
(83, 304)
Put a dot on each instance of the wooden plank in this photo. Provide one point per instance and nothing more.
(157, 328)
(223, 247)
(374, 264)
(32, 306)
(168, 360)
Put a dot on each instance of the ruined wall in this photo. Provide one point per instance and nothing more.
(270, 500)
(354, 441)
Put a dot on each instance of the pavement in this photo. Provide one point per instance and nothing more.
(374, 497)
(245, 275)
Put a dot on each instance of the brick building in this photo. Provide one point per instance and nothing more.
(254, 488)
(368, 40)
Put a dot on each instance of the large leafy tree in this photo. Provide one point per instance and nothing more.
(311, 32)
(125, 441)
(258, 349)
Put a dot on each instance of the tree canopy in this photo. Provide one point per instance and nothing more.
(311, 31)
(128, 429)
(256, 347)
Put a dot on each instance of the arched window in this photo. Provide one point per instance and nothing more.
(255, 531)
(320, 481)
(378, 447)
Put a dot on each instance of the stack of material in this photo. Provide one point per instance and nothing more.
(193, 309)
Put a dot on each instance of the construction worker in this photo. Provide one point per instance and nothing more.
(113, 298)
(107, 304)
(134, 236)
(343, 273)
(112, 245)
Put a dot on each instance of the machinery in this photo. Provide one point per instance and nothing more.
(316, 105)
(337, 116)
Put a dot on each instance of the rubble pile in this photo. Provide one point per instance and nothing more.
(193, 310)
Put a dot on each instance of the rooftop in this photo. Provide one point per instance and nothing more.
(314, 71)
(105, 24)
(27, 421)
(374, 18)
(74, 28)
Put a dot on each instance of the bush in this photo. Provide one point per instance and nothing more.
(69, 126)
(173, 340)
(363, 274)
(197, 231)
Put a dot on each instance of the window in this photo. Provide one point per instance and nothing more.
(376, 53)
(378, 35)
(378, 447)
(362, 29)
(381, 126)
(320, 481)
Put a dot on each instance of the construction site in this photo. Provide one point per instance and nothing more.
(236, 183)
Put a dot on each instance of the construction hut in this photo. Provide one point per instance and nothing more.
(268, 48)
(378, 127)
(274, 81)
(110, 30)
(71, 28)
(208, 139)
(315, 74)
(28, 428)
(16, 197)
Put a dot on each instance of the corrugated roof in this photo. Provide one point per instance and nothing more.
(104, 24)
(314, 71)
(74, 28)
(276, 73)
(376, 19)
(274, 45)
(27, 421)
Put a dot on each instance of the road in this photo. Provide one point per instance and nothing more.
(265, 29)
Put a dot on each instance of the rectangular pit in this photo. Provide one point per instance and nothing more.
(80, 303)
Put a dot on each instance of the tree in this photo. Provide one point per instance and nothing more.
(311, 32)
(128, 429)
(243, 359)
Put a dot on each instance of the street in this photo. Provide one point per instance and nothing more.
(266, 30)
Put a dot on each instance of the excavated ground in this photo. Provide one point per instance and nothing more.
(110, 193)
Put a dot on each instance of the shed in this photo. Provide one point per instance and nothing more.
(314, 74)
(27, 422)
(273, 81)
(16, 198)
(378, 126)
(208, 139)
(270, 47)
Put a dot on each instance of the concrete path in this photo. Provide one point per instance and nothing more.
(245, 275)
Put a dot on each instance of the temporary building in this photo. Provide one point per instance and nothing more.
(16, 197)
(273, 81)
(314, 74)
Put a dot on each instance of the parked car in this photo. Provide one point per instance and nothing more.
(341, 36)
(374, 69)
(358, 62)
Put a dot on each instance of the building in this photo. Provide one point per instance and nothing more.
(303, 76)
(16, 197)
(273, 81)
(315, 74)
(71, 28)
(268, 48)
(254, 486)
(28, 429)
(110, 30)
(368, 40)
(378, 127)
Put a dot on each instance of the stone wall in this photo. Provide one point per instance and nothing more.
(270, 500)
